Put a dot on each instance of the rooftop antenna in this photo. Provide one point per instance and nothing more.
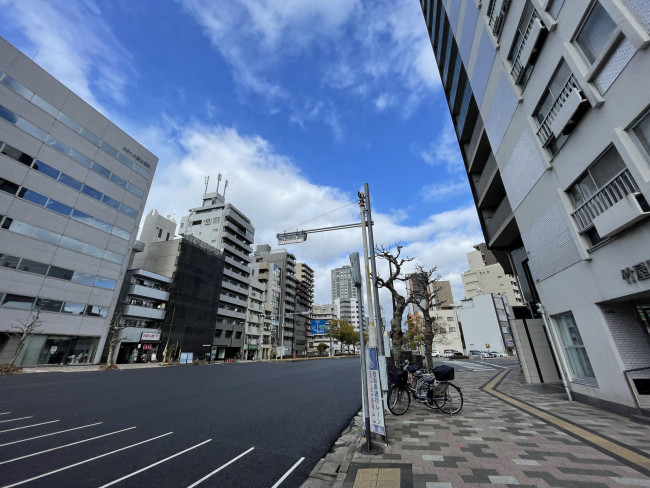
(218, 182)
(224, 190)
(207, 180)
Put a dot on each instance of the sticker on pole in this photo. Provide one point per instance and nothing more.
(375, 403)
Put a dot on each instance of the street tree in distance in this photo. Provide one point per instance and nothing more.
(22, 330)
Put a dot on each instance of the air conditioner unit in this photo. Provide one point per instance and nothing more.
(623, 214)
(567, 112)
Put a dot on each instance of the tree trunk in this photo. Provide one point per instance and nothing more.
(428, 341)
(112, 343)
(21, 344)
(396, 333)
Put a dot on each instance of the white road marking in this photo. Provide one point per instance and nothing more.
(84, 461)
(5, 413)
(220, 468)
(154, 464)
(13, 420)
(67, 445)
(288, 473)
(46, 435)
(28, 426)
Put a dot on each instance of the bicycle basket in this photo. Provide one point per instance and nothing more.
(412, 368)
(444, 373)
(397, 377)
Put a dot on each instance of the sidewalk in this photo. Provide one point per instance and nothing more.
(507, 434)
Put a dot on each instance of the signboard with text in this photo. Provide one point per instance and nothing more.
(375, 403)
(150, 336)
(318, 327)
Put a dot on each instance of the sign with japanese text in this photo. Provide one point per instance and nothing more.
(375, 401)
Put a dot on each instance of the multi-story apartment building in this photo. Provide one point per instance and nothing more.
(324, 313)
(222, 226)
(72, 191)
(257, 339)
(485, 275)
(284, 315)
(342, 286)
(487, 319)
(304, 303)
(553, 127)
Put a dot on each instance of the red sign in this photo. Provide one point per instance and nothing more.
(146, 346)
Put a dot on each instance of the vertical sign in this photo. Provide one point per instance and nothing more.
(375, 403)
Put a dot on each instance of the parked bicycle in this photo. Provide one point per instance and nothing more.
(434, 390)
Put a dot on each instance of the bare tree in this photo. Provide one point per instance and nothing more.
(114, 329)
(399, 302)
(23, 329)
(423, 291)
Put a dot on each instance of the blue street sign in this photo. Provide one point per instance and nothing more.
(318, 327)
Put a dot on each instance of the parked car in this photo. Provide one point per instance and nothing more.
(435, 353)
(496, 354)
(452, 353)
(473, 353)
(485, 354)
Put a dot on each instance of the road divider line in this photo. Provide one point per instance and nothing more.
(154, 464)
(220, 468)
(47, 435)
(84, 461)
(28, 426)
(67, 445)
(13, 420)
(288, 473)
(603, 444)
(5, 413)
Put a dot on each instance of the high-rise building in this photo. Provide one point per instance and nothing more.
(547, 102)
(483, 278)
(342, 286)
(72, 190)
(222, 226)
(304, 304)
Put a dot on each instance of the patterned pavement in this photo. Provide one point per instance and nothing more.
(541, 441)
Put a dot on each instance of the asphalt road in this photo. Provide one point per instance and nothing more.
(230, 425)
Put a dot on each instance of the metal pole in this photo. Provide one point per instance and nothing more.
(553, 338)
(364, 375)
(372, 331)
(373, 267)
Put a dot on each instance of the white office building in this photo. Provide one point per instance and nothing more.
(550, 104)
(72, 190)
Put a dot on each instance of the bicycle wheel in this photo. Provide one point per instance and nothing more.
(452, 401)
(399, 400)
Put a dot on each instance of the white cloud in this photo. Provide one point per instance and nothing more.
(436, 192)
(443, 150)
(73, 43)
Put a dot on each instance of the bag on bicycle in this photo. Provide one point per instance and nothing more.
(396, 376)
(444, 373)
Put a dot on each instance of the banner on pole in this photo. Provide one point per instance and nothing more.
(375, 403)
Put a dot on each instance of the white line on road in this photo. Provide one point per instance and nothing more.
(67, 445)
(47, 435)
(85, 461)
(154, 464)
(220, 468)
(288, 473)
(28, 426)
(5, 413)
(13, 420)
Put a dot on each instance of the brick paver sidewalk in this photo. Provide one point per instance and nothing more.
(492, 442)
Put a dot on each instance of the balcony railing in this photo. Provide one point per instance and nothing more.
(545, 131)
(497, 13)
(619, 187)
(527, 45)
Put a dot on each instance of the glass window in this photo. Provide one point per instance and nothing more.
(89, 136)
(81, 158)
(121, 233)
(82, 217)
(96, 311)
(32, 196)
(69, 122)
(8, 261)
(61, 273)
(111, 202)
(59, 207)
(46, 236)
(101, 225)
(18, 301)
(39, 102)
(8, 187)
(73, 308)
(8, 115)
(70, 181)
(47, 305)
(93, 251)
(573, 346)
(58, 145)
(135, 190)
(17, 155)
(121, 182)
(6, 223)
(595, 32)
(92, 193)
(99, 169)
(141, 171)
(108, 149)
(113, 257)
(642, 131)
(32, 266)
(16, 87)
(72, 244)
(125, 160)
(104, 283)
(31, 129)
(126, 210)
(83, 278)
(41, 167)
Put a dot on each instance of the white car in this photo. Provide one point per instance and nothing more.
(435, 353)
(485, 354)
(498, 355)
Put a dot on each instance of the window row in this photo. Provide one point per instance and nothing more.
(22, 302)
(50, 237)
(62, 209)
(96, 141)
(66, 150)
(36, 267)
(61, 177)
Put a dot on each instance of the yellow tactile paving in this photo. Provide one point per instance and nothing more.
(605, 444)
(377, 478)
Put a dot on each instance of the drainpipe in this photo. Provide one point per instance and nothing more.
(553, 337)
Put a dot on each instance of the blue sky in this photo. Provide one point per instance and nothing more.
(297, 103)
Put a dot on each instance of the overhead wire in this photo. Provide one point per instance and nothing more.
(316, 218)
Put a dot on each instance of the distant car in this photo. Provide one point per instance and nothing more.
(452, 353)
(496, 354)
(435, 353)
(485, 354)
(473, 353)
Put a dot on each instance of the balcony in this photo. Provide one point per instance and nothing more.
(235, 275)
(529, 46)
(223, 311)
(223, 298)
(147, 292)
(619, 187)
(501, 228)
(488, 184)
(236, 252)
(143, 312)
(564, 113)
